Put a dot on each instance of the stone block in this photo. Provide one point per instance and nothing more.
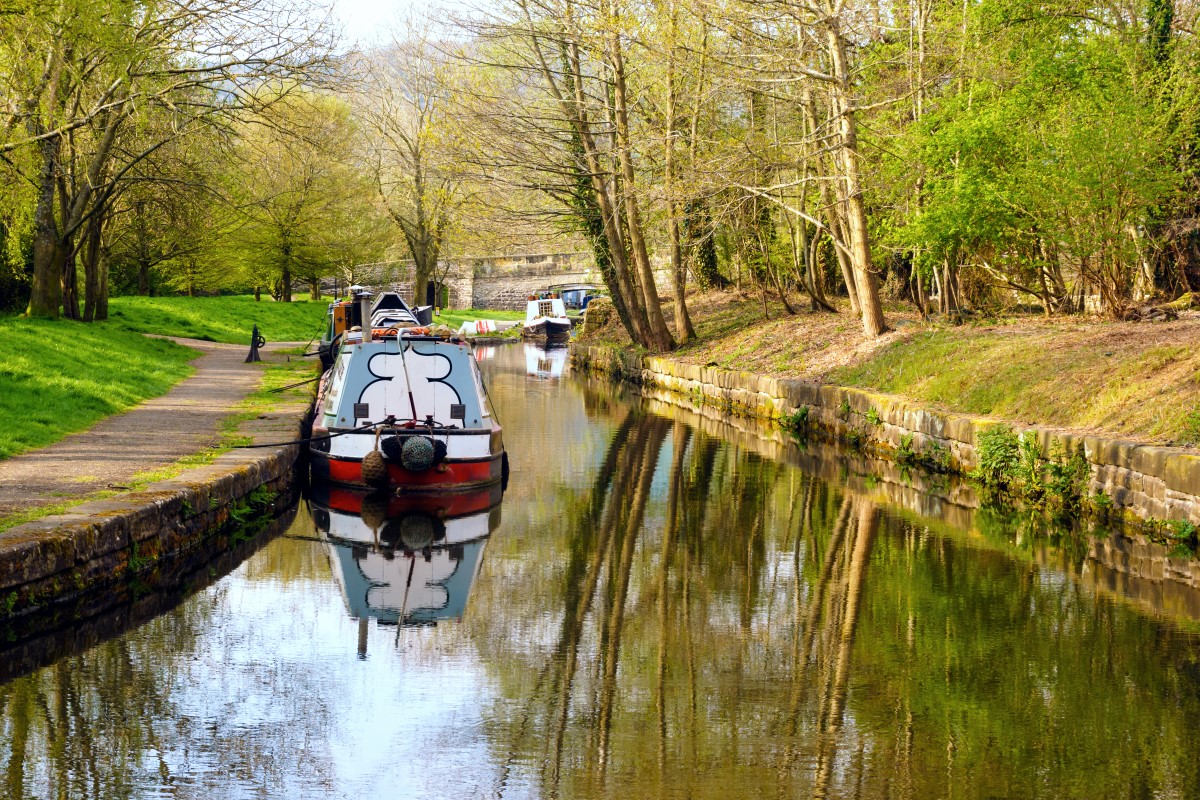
(34, 551)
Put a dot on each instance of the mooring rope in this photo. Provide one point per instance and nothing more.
(366, 427)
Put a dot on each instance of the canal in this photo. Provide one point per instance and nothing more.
(665, 608)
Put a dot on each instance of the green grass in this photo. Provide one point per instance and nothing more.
(454, 318)
(219, 319)
(58, 377)
(262, 401)
(1135, 387)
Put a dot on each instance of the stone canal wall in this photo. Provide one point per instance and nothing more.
(1150, 482)
(61, 560)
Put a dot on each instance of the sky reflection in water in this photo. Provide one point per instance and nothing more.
(659, 613)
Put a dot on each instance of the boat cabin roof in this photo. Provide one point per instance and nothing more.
(387, 301)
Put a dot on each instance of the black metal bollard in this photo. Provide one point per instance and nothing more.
(256, 341)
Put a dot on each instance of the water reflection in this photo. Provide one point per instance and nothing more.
(728, 624)
(665, 611)
(546, 362)
(405, 560)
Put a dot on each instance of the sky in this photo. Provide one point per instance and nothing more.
(370, 22)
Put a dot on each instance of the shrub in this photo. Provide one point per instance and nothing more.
(999, 453)
(796, 422)
(1069, 476)
(873, 416)
(905, 454)
(1030, 468)
(935, 456)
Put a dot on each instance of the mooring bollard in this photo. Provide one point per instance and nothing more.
(256, 341)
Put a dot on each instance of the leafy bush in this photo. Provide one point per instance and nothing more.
(999, 453)
(1030, 468)
(905, 454)
(873, 416)
(1068, 476)
(796, 422)
(935, 456)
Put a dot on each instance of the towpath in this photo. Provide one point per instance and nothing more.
(159, 432)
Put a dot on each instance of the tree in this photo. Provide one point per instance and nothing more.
(296, 187)
(410, 146)
(85, 74)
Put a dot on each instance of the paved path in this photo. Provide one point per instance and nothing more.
(159, 432)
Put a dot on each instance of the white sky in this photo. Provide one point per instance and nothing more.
(370, 22)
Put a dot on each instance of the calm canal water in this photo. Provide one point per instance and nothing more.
(663, 609)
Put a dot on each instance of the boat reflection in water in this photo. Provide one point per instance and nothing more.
(545, 362)
(405, 560)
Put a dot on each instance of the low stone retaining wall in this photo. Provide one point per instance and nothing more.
(60, 559)
(1150, 482)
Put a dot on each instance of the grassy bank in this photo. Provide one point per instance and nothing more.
(455, 317)
(271, 397)
(219, 319)
(1129, 379)
(58, 377)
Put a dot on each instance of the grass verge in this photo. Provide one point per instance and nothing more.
(1133, 380)
(455, 317)
(264, 400)
(219, 319)
(58, 377)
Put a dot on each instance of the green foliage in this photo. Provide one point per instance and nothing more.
(998, 451)
(905, 454)
(1015, 464)
(1030, 468)
(935, 456)
(873, 416)
(10, 603)
(796, 422)
(1182, 529)
(58, 377)
(1069, 475)
(844, 409)
(1191, 429)
(137, 561)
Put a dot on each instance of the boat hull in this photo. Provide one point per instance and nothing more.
(447, 476)
(549, 332)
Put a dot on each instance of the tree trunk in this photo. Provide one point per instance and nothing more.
(46, 292)
(684, 330)
(661, 340)
(856, 212)
(833, 218)
(102, 295)
(70, 280)
(91, 267)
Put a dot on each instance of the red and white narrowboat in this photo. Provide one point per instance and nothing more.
(405, 409)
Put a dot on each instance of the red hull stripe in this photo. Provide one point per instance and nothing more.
(446, 505)
(450, 475)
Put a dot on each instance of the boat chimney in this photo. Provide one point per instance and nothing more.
(364, 299)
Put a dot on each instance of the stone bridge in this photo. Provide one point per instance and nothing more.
(496, 282)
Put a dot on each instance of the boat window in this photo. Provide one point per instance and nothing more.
(484, 410)
(545, 308)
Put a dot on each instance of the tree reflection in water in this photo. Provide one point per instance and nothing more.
(664, 614)
(728, 625)
(140, 714)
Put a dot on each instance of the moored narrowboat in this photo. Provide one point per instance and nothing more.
(405, 409)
